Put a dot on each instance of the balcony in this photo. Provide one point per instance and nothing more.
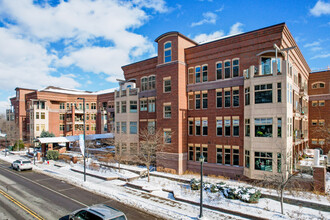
(270, 69)
(133, 92)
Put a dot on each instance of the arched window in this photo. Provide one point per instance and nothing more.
(144, 83)
(152, 82)
(317, 85)
(168, 52)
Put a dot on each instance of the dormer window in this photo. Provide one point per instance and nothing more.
(168, 52)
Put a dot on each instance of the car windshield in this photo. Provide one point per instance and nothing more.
(26, 161)
(119, 218)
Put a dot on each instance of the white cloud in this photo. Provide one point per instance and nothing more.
(220, 9)
(209, 18)
(321, 56)
(4, 105)
(157, 5)
(320, 8)
(313, 44)
(236, 28)
(209, 37)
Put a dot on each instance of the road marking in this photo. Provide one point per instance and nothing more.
(45, 187)
(16, 202)
(44, 179)
(61, 190)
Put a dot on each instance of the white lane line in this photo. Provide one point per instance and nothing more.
(61, 190)
(46, 187)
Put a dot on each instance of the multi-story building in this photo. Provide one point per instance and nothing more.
(319, 110)
(239, 101)
(59, 111)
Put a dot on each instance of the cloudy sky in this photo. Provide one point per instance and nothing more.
(82, 44)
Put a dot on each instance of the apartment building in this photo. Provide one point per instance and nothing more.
(59, 111)
(319, 110)
(239, 101)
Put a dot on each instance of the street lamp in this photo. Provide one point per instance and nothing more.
(201, 159)
(84, 139)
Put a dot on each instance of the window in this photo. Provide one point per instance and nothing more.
(235, 156)
(87, 106)
(279, 163)
(118, 127)
(190, 127)
(133, 106)
(227, 69)
(167, 136)
(263, 127)
(191, 153)
(123, 127)
(198, 101)
(227, 155)
(314, 141)
(198, 74)
(167, 85)
(152, 105)
(133, 127)
(42, 126)
(197, 153)
(42, 115)
(314, 103)
(143, 105)
(204, 153)
(235, 97)
(117, 107)
(80, 106)
(167, 110)
(93, 105)
(279, 94)
(219, 127)
(61, 127)
(204, 97)
(227, 99)
(321, 122)
(263, 161)
(190, 75)
(68, 127)
(144, 83)
(197, 127)
(263, 93)
(61, 116)
(68, 106)
(62, 105)
(227, 127)
(236, 127)
(318, 85)
(151, 127)
(219, 154)
(279, 127)
(190, 101)
(167, 52)
(37, 127)
(93, 116)
(247, 158)
(204, 68)
(321, 103)
(235, 68)
(123, 106)
(152, 82)
(321, 141)
(266, 65)
(42, 105)
(247, 96)
(219, 70)
(219, 99)
(205, 127)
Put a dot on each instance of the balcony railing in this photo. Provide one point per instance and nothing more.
(274, 68)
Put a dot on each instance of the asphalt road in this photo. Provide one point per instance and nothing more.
(48, 197)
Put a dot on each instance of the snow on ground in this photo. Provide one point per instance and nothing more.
(162, 203)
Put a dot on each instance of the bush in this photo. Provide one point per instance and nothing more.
(195, 184)
(53, 155)
(250, 195)
(19, 147)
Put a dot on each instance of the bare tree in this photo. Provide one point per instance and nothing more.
(151, 142)
(11, 130)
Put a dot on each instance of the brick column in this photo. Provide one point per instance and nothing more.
(319, 178)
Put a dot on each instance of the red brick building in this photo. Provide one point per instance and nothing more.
(319, 110)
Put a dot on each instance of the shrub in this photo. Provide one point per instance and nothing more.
(195, 184)
(53, 155)
(20, 146)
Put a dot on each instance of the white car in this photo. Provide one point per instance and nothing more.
(97, 212)
(22, 165)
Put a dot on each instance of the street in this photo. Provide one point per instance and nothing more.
(31, 195)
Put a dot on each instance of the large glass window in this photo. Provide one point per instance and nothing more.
(133, 107)
(247, 96)
(168, 52)
(198, 101)
(263, 93)
(227, 99)
(197, 127)
(144, 83)
(235, 68)
(167, 111)
(219, 70)
(133, 127)
(205, 127)
(219, 127)
(204, 96)
(152, 82)
(219, 155)
(123, 127)
(235, 97)
(204, 68)
(152, 105)
(219, 99)
(263, 127)
(266, 66)
(227, 69)
(227, 127)
(236, 127)
(263, 161)
(198, 74)
(143, 105)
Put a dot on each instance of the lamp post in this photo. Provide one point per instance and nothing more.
(84, 139)
(201, 159)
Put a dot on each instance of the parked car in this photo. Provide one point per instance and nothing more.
(22, 165)
(98, 212)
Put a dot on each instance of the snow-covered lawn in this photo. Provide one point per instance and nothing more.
(162, 203)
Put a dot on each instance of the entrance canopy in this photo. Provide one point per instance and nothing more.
(48, 140)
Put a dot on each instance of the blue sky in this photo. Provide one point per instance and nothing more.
(82, 44)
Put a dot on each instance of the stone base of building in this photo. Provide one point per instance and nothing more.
(174, 161)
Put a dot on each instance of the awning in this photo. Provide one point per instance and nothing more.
(49, 140)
